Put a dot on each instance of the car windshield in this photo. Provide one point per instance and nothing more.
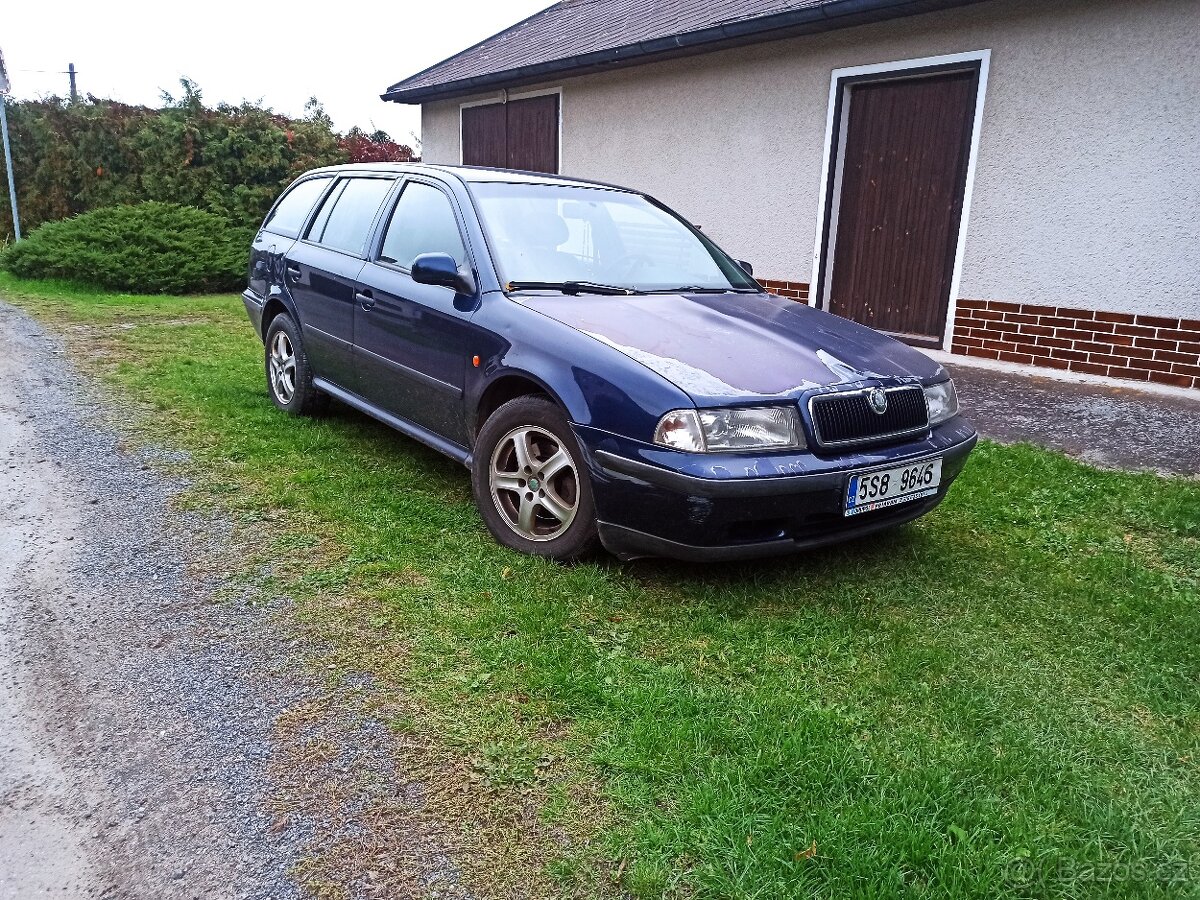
(546, 235)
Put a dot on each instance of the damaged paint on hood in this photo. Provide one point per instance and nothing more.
(720, 347)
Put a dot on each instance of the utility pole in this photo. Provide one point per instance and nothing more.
(71, 72)
(12, 187)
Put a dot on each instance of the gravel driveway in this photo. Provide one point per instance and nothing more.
(135, 715)
(138, 750)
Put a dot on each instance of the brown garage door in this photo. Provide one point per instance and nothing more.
(520, 134)
(902, 181)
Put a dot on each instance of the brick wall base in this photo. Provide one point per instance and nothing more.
(1141, 348)
(793, 290)
(1161, 349)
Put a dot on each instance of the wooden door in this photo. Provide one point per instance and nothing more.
(903, 174)
(533, 134)
(519, 134)
(484, 135)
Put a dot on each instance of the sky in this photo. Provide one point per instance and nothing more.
(277, 53)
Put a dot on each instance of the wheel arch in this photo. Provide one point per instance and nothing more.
(506, 386)
(277, 304)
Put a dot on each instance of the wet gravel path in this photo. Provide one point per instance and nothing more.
(1105, 426)
(136, 713)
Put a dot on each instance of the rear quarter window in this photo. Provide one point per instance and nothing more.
(291, 212)
(346, 217)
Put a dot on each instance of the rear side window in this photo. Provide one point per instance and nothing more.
(293, 208)
(423, 222)
(317, 228)
(345, 218)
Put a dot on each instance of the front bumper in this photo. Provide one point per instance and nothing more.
(651, 501)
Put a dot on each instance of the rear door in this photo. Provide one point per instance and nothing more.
(280, 230)
(413, 340)
(322, 269)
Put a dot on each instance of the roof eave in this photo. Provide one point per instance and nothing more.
(810, 20)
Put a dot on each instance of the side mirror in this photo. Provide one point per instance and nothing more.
(442, 270)
(746, 267)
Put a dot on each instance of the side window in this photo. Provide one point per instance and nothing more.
(345, 218)
(290, 212)
(422, 222)
(322, 217)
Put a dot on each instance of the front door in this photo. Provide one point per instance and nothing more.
(412, 340)
(895, 220)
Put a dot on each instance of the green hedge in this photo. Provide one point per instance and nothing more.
(234, 161)
(147, 248)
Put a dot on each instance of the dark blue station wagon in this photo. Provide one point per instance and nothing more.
(607, 373)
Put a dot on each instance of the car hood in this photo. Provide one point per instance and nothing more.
(722, 347)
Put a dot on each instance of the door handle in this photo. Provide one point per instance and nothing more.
(365, 299)
(293, 271)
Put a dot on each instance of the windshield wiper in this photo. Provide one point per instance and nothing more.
(697, 289)
(570, 287)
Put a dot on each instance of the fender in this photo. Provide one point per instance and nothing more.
(595, 384)
(278, 300)
(477, 391)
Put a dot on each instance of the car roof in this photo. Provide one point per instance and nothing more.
(471, 174)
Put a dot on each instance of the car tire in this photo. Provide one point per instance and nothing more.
(531, 482)
(289, 376)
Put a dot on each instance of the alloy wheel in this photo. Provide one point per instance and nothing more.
(534, 483)
(283, 367)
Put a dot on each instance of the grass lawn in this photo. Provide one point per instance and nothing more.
(1002, 699)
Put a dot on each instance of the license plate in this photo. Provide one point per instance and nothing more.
(881, 488)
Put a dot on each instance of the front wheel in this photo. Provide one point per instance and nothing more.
(530, 483)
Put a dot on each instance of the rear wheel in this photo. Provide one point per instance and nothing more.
(530, 483)
(289, 376)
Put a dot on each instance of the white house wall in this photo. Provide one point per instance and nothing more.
(1087, 184)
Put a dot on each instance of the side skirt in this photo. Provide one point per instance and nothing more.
(411, 429)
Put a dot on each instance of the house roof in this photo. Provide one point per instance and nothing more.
(577, 36)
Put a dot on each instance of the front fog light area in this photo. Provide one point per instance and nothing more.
(716, 430)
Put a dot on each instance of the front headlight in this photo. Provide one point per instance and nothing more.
(716, 430)
(943, 402)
